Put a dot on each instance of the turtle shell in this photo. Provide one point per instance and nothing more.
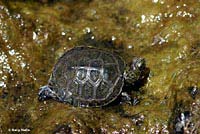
(85, 76)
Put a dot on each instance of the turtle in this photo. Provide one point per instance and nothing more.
(90, 77)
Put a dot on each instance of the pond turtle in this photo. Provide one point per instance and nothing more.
(87, 76)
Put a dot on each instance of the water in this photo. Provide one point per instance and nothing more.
(35, 34)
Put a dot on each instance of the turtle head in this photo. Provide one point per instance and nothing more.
(135, 70)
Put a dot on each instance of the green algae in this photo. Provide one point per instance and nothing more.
(33, 35)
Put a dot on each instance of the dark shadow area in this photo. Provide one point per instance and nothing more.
(133, 88)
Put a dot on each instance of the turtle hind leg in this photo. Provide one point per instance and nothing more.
(45, 93)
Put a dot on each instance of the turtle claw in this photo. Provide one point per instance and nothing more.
(45, 93)
(126, 98)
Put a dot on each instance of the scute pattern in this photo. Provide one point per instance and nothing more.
(73, 88)
(88, 91)
(95, 75)
(90, 76)
(103, 90)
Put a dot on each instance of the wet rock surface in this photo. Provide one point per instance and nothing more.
(34, 34)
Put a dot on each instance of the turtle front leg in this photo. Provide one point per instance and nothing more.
(126, 98)
(46, 93)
